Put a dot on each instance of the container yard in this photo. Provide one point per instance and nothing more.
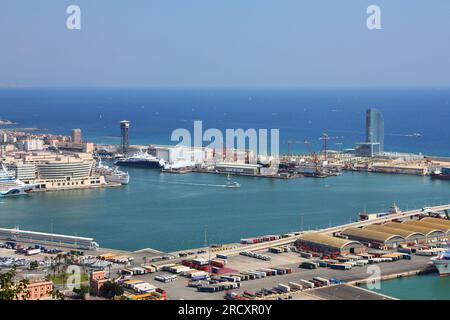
(286, 266)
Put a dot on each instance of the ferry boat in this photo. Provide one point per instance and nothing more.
(441, 262)
(112, 175)
(9, 185)
(443, 173)
(141, 159)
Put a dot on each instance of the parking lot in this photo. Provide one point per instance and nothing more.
(179, 289)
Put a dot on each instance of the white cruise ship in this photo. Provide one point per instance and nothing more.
(9, 185)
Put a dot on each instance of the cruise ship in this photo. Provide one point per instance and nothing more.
(9, 185)
(441, 263)
(112, 175)
(141, 159)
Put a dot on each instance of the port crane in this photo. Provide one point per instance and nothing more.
(313, 153)
(325, 137)
(290, 143)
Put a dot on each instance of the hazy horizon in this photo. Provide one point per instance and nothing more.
(225, 44)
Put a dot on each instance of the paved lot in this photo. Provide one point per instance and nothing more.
(179, 289)
(346, 292)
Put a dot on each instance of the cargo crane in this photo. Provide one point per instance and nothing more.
(290, 143)
(312, 153)
(325, 137)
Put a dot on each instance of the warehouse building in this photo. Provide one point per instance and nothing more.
(442, 227)
(437, 221)
(317, 242)
(431, 234)
(376, 239)
(411, 237)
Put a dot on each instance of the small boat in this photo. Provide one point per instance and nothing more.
(231, 184)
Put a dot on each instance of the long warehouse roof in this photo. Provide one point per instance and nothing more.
(327, 240)
(411, 227)
(437, 220)
(370, 235)
(404, 233)
(425, 224)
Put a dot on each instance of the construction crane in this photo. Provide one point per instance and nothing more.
(290, 143)
(313, 154)
(325, 137)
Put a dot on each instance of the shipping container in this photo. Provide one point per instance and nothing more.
(309, 265)
(33, 252)
(325, 282)
(284, 288)
(295, 286)
(341, 266)
(306, 283)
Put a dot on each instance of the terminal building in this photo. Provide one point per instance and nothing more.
(42, 238)
(376, 239)
(316, 242)
(55, 171)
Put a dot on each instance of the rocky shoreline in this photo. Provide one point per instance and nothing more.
(6, 122)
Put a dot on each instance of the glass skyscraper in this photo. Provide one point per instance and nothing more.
(375, 127)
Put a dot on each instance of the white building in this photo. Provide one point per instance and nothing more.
(31, 145)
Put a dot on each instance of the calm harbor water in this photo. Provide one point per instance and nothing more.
(425, 287)
(170, 211)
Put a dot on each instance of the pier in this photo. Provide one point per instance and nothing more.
(236, 248)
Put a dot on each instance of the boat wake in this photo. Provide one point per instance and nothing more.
(199, 184)
(186, 183)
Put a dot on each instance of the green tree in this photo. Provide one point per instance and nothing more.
(111, 289)
(10, 290)
(82, 291)
(56, 294)
(34, 265)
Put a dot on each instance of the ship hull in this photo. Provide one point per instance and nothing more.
(116, 179)
(15, 192)
(139, 164)
(440, 176)
(443, 267)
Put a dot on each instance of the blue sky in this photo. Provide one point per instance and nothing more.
(230, 43)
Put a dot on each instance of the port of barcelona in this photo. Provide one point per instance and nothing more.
(226, 158)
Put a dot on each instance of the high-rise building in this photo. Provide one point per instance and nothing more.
(76, 136)
(124, 127)
(375, 127)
